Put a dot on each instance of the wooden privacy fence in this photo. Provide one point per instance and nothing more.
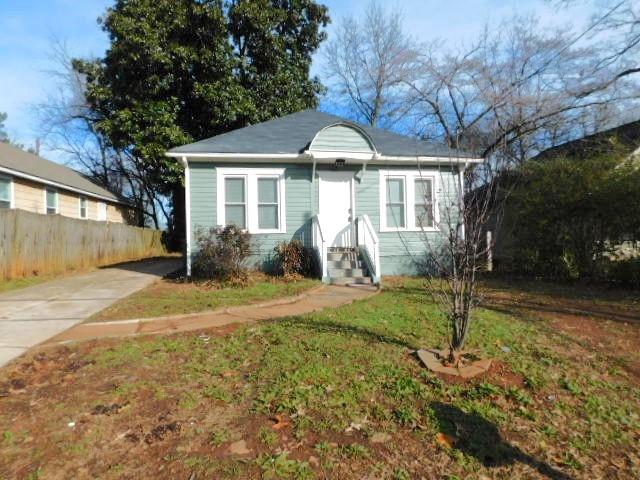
(34, 244)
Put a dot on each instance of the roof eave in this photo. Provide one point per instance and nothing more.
(328, 156)
(17, 173)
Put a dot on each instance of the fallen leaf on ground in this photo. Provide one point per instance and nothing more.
(281, 422)
(445, 440)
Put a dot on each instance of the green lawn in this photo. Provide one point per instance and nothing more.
(334, 394)
(173, 297)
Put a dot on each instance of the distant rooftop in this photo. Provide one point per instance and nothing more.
(18, 160)
(627, 134)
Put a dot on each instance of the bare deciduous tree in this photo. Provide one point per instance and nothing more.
(368, 64)
(516, 91)
(513, 92)
(68, 125)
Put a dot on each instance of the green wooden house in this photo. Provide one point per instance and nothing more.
(365, 199)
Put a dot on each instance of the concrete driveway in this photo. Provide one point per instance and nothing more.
(31, 315)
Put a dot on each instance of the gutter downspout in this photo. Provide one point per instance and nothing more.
(187, 208)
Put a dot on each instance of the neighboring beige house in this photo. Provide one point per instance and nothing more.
(29, 182)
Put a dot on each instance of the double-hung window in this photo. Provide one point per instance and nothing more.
(6, 192)
(83, 207)
(252, 198)
(268, 204)
(396, 202)
(235, 201)
(424, 204)
(408, 201)
(51, 201)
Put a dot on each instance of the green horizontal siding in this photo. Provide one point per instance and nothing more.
(341, 138)
(298, 197)
(400, 252)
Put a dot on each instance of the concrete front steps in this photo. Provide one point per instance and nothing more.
(345, 267)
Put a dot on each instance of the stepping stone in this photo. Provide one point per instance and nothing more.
(431, 360)
(239, 448)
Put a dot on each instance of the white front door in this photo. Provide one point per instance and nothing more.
(336, 207)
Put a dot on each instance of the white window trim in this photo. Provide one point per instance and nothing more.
(86, 210)
(409, 200)
(12, 193)
(251, 176)
(57, 200)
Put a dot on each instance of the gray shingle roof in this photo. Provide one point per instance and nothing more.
(293, 133)
(24, 162)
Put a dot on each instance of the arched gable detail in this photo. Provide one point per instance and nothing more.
(342, 137)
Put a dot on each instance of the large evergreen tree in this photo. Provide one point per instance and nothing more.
(181, 70)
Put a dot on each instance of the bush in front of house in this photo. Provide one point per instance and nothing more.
(293, 260)
(222, 253)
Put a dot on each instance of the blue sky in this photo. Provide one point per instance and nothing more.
(28, 28)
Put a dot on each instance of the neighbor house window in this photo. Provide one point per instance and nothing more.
(52, 201)
(83, 207)
(102, 211)
(395, 202)
(408, 200)
(6, 187)
(423, 207)
(252, 198)
(235, 201)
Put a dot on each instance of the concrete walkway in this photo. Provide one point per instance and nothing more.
(319, 298)
(31, 315)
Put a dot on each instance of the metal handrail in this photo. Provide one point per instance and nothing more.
(372, 247)
(320, 246)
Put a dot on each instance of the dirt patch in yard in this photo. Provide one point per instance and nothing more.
(611, 330)
(56, 397)
(499, 373)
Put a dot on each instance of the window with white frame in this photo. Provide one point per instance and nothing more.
(423, 202)
(396, 202)
(83, 207)
(6, 192)
(408, 201)
(102, 211)
(235, 201)
(51, 201)
(252, 198)
(268, 207)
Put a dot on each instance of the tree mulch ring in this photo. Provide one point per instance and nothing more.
(434, 360)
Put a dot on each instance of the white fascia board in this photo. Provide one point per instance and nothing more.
(325, 156)
(61, 186)
(384, 159)
(331, 155)
(237, 156)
